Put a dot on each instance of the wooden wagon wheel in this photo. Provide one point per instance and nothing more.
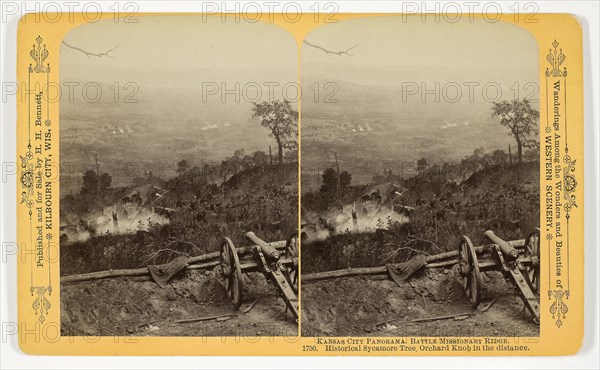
(532, 250)
(231, 272)
(291, 271)
(469, 270)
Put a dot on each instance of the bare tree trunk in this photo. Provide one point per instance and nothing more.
(520, 151)
(280, 152)
(271, 162)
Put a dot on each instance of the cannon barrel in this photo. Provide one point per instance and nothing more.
(509, 251)
(267, 249)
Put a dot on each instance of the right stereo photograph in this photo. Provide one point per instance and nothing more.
(420, 179)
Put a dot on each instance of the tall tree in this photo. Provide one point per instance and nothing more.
(282, 120)
(521, 119)
(422, 164)
(89, 186)
(329, 181)
(345, 179)
(94, 186)
(104, 182)
(182, 166)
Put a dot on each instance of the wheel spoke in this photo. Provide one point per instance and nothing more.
(229, 286)
(226, 254)
(469, 270)
(532, 249)
(473, 286)
(231, 272)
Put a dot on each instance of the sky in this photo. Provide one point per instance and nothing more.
(389, 47)
(161, 73)
(395, 44)
(183, 44)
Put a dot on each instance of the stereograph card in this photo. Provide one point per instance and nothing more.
(357, 184)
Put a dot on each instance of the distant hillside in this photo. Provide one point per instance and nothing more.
(157, 129)
(374, 128)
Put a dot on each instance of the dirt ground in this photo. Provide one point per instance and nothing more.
(139, 307)
(377, 306)
(353, 306)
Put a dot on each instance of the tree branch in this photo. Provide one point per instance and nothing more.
(331, 52)
(88, 54)
(403, 248)
(155, 254)
(186, 242)
(414, 238)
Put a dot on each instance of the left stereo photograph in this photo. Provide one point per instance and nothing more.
(178, 178)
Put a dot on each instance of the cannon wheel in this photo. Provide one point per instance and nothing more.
(291, 251)
(469, 270)
(231, 272)
(532, 249)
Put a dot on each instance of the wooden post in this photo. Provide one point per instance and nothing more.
(271, 161)
(436, 231)
(115, 218)
(337, 175)
(355, 217)
(97, 177)
(509, 156)
(318, 174)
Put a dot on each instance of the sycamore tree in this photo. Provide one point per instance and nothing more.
(282, 120)
(522, 121)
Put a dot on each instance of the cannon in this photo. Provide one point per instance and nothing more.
(278, 264)
(518, 261)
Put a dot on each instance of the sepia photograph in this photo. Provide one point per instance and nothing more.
(344, 184)
(322, 181)
(179, 178)
(420, 179)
